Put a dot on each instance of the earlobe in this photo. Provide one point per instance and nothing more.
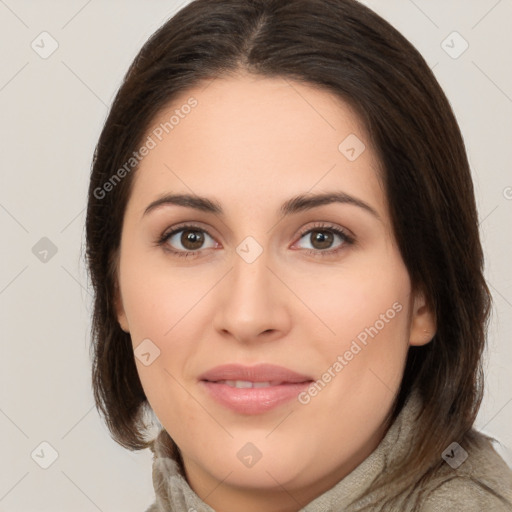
(123, 323)
(121, 315)
(423, 322)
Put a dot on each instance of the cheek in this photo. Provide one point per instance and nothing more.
(159, 305)
(363, 364)
(158, 297)
(364, 300)
(367, 309)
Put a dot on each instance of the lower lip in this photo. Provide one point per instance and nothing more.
(254, 400)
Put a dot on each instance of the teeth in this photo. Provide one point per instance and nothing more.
(242, 384)
(245, 384)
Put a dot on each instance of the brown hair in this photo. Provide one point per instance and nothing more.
(349, 51)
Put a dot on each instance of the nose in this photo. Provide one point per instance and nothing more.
(251, 302)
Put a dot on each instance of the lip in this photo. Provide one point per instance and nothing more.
(285, 385)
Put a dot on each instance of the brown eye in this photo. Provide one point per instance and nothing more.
(325, 240)
(191, 239)
(321, 239)
(187, 240)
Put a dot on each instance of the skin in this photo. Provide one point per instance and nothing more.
(251, 144)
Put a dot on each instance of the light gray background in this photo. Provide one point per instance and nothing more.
(52, 111)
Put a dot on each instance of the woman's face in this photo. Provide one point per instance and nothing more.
(315, 288)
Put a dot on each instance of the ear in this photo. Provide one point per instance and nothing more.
(120, 313)
(423, 322)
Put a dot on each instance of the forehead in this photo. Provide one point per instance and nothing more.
(262, 113)
(249, 138)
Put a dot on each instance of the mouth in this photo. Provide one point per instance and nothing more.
(253, 389)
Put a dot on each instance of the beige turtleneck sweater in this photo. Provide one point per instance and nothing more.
(482, 483)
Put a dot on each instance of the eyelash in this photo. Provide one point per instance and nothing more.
(346, 239)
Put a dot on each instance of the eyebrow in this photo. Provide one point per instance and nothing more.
(294, 205)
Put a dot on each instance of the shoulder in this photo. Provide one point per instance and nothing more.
(472, 495)
(479, 480)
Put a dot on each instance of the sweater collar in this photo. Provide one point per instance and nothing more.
(173, 493)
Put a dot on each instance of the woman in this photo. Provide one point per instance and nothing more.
(283, 241)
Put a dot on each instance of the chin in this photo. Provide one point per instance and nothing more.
(256, 464)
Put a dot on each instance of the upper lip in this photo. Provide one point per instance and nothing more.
(257, 373)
